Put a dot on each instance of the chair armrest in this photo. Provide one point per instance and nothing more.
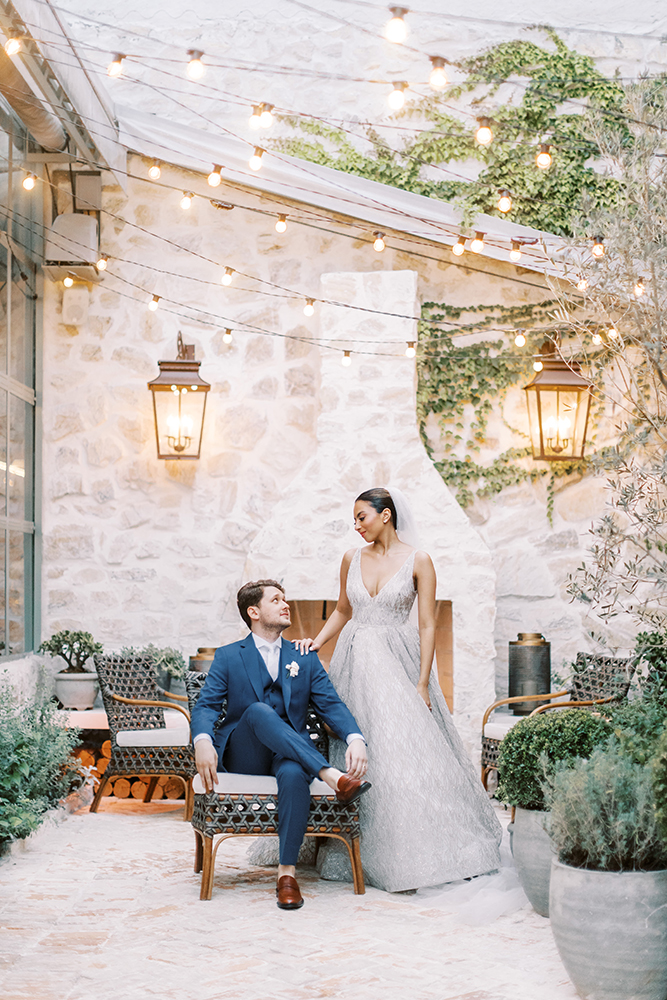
(520, 697)
(571, 704)
(170, 694)
(155, 704)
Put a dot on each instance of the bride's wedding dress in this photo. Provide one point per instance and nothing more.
(427, 819)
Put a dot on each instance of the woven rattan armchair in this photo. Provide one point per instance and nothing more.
(597, 680)
(246, 805)
(143, 742)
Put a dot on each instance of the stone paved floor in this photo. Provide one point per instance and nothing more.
(107, 907)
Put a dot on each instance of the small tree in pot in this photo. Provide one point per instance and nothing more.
(75, 648)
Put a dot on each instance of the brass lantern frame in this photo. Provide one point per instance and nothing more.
(561, 397)
(179, 377)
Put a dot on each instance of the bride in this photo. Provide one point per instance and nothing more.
(426, 820)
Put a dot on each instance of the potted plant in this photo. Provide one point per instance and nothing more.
(169, 662)
(608, 897)
(532, 747)
(76, 687)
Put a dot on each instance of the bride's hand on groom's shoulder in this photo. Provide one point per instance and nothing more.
(305, 645)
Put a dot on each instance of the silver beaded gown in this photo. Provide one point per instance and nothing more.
(427, 819)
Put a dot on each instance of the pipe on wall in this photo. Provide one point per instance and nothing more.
(40, 121)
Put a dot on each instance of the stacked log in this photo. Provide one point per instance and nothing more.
(126, 787)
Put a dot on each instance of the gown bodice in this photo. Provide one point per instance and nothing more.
(391, 606)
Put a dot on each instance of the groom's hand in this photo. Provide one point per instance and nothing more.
(356, 759)
(206, 759)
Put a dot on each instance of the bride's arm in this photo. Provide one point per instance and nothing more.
(425, 578)
(338, 619)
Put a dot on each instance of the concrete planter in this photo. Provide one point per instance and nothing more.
(611, 931)
(76, 691)
(532, 851)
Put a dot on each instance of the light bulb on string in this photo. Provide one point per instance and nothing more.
(598, 248)
(396, 30)
(215, 176)
(597, 339)
(154, 303)
(255, 161)
(613, 333)
(266, 118)
(640, 288)
(195, 68)
(543, 158)
(281, 224)
(28, 182)
(13, 46)
(346, 360)
(484, 134)
(154, 170)
(68, 281)
(255, 117)
(379, 243)
(186, 200)
(227, 336)
(396, 99)
(520, 339)
(438, 77)
(227, 276)
(410, 350)
(504, 201)
(115, 67)
(537, 366)
(459, 246)
(477, 245)
(582, 284)
(102, 262)
(515, 252)
(309, 308)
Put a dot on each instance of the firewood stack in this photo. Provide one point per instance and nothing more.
(124, 788)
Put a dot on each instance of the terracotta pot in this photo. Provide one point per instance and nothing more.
(532, 851)
(77, 690)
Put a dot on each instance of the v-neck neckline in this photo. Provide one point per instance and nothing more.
(392, 577)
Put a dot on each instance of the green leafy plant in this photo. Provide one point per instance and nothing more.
(74, 647)
(540, 742)
(659, 774)
(637, 727)
(603, 814)
(36, 766)
(164, 657)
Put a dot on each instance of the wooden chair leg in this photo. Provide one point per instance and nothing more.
(189, 801)
(357, 870)
(152, 785)
(207, 869)
(199, 852)
(104, 780)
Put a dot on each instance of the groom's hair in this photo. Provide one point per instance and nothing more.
(251, 594)
(380, 499)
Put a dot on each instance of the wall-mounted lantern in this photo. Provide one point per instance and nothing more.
(179, 404)
(559, 400)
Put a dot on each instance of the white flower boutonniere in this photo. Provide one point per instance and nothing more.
(292, 668)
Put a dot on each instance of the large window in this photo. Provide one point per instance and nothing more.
(18, 297)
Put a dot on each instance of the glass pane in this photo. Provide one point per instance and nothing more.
(19, 561)
(19, 473)
(3, 640)
(20, 327)
(3, 454)
(3, 310)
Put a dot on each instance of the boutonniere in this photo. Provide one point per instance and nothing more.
(292, 668)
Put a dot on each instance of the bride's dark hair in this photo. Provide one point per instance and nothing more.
(380, 499)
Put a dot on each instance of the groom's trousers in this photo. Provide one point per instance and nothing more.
(264, 743)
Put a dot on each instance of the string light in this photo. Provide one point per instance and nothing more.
(640, 288)
(227, 336)
(346, 360)
(266, 118)
(537, 366)
(379, 243)
(154, 303)
(582, 284)
(215, 176)
(102, 262)
(255, 161)
(196, 68)
(459, 246)
(228, 276)
(309, 308)
(598, 249)
(115, 67)
(613, 333)
(13, 46)
(515, 252)
(186, 200)
(410, 350)
(154, 170)
(396, 29)
(396, 99)
(477, 244)
(519, 340)
(438, 77)
(68, 281)
(484, 134)
(281, 224)
(504, 201)
(254, 120)
(543, 158)
(29, 182)
(597, 339)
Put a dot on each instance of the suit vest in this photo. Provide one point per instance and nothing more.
(273, 690)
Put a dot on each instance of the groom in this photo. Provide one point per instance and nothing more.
(268, 685)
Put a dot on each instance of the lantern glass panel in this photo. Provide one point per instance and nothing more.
(558, 418)
(179, 421)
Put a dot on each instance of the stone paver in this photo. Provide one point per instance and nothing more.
(107, 907)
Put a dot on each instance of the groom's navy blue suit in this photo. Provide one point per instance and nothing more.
(264, 731)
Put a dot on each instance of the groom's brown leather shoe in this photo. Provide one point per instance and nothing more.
(287, 891)
(350, 789)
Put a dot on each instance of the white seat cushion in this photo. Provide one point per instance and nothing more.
(499, 726)
(254, 784)
(171, 737)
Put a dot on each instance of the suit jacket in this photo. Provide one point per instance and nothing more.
(237, 675)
